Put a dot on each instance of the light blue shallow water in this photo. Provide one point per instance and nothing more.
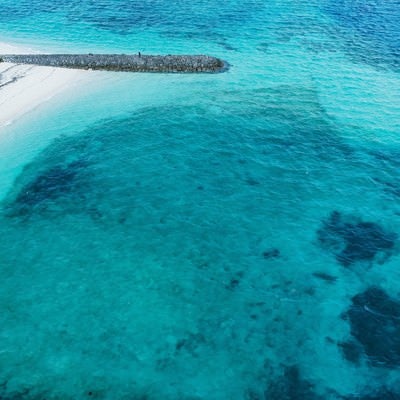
(230, 236)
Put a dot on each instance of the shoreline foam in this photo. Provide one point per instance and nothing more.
(23, 88)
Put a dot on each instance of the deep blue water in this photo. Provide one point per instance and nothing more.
(229, 236)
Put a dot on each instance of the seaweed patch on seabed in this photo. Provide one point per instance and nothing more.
(375, 327)
(352, 240)
(45, 189)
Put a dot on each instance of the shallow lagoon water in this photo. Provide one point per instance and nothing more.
(205, 236)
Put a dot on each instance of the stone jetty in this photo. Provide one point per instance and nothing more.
(123, 62)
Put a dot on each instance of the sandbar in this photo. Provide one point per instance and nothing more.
(24, 88)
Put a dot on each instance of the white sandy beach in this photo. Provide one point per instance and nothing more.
(23, 88)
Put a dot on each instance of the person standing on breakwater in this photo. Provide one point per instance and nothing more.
(140, 54)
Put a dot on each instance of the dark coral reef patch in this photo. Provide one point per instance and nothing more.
(271, 253)
(46, 187)
(375, 325)
(352, 240)
(325, 277)
(381, 394)
(289, 386)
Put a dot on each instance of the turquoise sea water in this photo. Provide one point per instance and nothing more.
(229, 236)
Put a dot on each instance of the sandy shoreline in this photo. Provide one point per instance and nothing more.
(23, 88)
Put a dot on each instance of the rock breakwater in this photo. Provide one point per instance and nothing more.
(123, 62)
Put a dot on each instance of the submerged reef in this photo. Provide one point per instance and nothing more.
(380, 394)
(325, 277)
(155, 236)
(289, 386)
(49, 185)
(271, 253)
(375, 326)
(123, 62)
(352, 240)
